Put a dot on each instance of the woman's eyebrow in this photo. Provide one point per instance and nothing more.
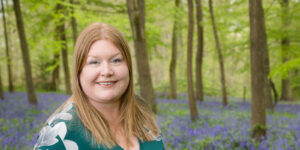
(116, 54)
(119, 53)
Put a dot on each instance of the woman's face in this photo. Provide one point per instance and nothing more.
(105, 76)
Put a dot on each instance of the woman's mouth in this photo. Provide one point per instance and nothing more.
(106, 84)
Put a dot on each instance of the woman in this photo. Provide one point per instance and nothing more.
(102, 113)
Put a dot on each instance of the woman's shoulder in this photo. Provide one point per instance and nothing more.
(53, 134)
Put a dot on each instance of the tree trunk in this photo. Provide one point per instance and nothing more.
(25, 53)
(1, 85)
(268, 96)
(55, 72)
(219, 54)
(257, 47)
(55, 62)
(199, 57)
(286, 92)
(174, 53)
(136, 13)
(8, 60)
(275, 93)
(64, 49)
(192, 100)
(244, 95)
(296, 89)
(73, 22)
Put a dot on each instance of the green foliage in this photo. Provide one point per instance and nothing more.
(259, 127)
(232, 20)
(283, 69)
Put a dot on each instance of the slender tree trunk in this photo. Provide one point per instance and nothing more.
(174, 53)
(267, 87)
(1, 86)
(286, 92)
(275, 93)
(8, 60)
(55, 62)
(296, 89)
(219, 54)
(268, 96)
(25, 54)
(192, 100)
(136, 13)
(55, 72)
(199, 57)
(73, 22)
(244, 95)
(257, 47)
(64, 48)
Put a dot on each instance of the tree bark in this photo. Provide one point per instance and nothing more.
(199, 57)
(64, 49)
(73, 22)
(172, 74)
(8, 60)
(286, 92)
(257, 47)
(224, 94)
(192, 100)
(25, 53)
(136, 13)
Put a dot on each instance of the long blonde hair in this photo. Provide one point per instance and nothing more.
(135, 116)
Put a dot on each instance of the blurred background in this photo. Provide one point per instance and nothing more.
(210, 84)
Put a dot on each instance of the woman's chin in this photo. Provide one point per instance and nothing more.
(106, 99)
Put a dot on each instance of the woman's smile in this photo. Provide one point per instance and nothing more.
(106, 84)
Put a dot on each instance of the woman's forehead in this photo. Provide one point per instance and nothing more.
(101, 47)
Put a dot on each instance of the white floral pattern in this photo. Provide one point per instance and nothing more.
(63, 114)
(49, 133)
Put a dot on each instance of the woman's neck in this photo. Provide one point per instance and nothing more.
(110, 111)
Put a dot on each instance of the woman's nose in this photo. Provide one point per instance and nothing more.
(106, 70)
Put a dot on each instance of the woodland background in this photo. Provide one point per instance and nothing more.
(51, 28)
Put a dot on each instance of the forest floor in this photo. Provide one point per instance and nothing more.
(218, 127)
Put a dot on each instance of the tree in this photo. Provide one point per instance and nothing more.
(73, 22)
(224, 95)
(136, 13)
(286, 93)
(172, 72)
(267, 87)
(1, 86)
(8, 61)
(25, 53)
(199, 56)
(192, 100)
(55, 61)
(64, 49)
(258, 45)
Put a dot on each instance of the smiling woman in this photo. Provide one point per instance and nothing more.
(103, 112)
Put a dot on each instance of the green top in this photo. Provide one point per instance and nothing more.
(65, 131)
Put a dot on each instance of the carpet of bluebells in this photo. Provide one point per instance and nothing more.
(218, 127)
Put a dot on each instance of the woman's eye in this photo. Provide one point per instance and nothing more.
(117, 60)
(93, 62)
